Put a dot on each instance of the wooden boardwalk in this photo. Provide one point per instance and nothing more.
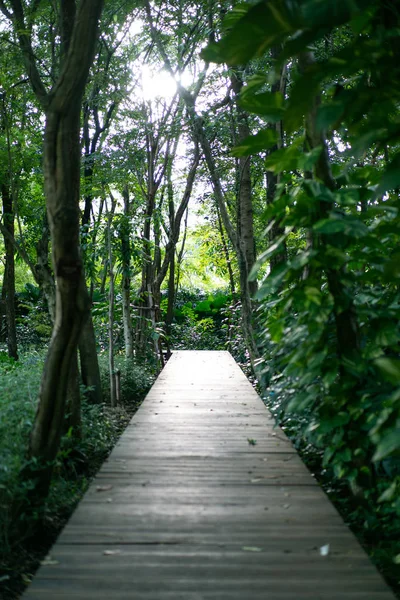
(203, 499)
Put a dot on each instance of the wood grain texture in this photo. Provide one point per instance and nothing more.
(185, 508)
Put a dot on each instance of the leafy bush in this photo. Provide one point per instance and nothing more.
(136, 379)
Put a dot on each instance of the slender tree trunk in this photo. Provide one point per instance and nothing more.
(171, 295)
(90, 371)
(226, 254)
(126, 276)
(111, 307)
(272, 179)
(152, 306)
(180, 254)
(141, 338)
(3, 320)
(9, 273)
(73, 408)
(245, 221)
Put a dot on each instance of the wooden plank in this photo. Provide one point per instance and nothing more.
(204, 499)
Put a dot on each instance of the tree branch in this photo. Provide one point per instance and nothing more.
(73, 76)
(20, 249)
(25, 42)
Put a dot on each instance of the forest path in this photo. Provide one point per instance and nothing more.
(203, 499)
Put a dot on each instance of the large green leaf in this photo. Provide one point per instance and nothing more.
(263, 140)
(271, 22)
(264, 25)
(268, 105)
(391, 177)
(285, 159)
(389, 368)
(272, 282)
(387, 445)
(347, 224)
(323, 13)
(329, 114)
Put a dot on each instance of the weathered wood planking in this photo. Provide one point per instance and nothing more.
(186, 508)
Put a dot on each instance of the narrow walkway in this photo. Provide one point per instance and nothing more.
(203, 499)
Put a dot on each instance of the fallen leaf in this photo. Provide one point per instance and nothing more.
(286, 506)
(324, 550)
(49, 561)
(103, 488)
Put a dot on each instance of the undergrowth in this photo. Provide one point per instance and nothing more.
(25, 540)
(376, 525)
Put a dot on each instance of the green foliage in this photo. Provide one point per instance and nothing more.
(136, 379)
(352, 394)
(199, 321)
(330, 314)
(20, 384)
(76, 461)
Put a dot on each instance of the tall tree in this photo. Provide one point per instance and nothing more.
(62, 107)
(338, 180)
(9, 238)
(244, 247)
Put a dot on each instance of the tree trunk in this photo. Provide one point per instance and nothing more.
(62, 180)
(171, 296)
(111, 301)
(126, 276)
(272, 179)
(62, 171)
(9, 272)
(245, 222)
(90, 371)
(3, 320)
(226, 254)
(126, 315)
(73, 407)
